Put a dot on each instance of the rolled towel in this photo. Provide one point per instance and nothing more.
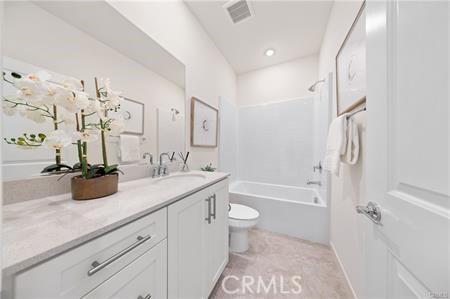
(352, 148)
(336, 144)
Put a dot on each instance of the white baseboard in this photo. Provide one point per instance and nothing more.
(343, 269)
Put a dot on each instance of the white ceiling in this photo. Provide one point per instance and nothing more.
(293, 28)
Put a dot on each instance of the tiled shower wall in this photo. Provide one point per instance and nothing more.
(276, 143)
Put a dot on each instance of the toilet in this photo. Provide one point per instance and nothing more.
(241, 219)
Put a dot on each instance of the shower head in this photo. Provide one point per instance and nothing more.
(312, 88)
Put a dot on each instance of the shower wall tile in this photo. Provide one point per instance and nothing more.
(275, 142)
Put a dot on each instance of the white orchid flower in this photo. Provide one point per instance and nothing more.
(30, 90)
(66, 98)
(112, 100)
(81, 100)
(88, 135)
(116, 126)
(93, 107)
(34, 115)
(57, 139)
(72, 102)
(39, 76)
(106, 83)
(51, 92)
(73, 84)
(66, 117)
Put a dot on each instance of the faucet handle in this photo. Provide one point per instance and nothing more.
(183, 158)
(318, 167)
(155, 172)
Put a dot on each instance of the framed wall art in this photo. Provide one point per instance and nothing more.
(351, 66)
(204, 124)
(133, 115)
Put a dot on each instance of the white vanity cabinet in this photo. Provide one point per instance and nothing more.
(77, 272)
(178, 251)
(198, 242)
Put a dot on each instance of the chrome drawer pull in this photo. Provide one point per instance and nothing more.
(98, 266)
(146, 297)
(213, 214)
(208, 200)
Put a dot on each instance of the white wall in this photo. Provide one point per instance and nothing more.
(37, 37)
(228, 142)
(346, 235)
(1, 138)
(208, 74)
(279, 82)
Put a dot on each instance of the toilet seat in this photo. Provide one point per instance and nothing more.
(241, 212)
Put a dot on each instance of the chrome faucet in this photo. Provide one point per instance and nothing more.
(163, 170)
(318, 167)
(308, 182)
(145, 155)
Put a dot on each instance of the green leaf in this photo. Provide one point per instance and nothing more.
(111, 168)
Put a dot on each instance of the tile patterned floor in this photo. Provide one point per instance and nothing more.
(278, 258)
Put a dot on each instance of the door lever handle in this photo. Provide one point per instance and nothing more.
(371, 211)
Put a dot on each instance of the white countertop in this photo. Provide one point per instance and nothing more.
(38, 229)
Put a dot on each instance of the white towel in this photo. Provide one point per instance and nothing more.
(129, 148)
(336, 144)
(352, 148)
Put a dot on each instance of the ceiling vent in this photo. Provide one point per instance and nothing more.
(238, 10)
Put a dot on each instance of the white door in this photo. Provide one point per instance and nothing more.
(408, 148)
(217, 237)
(186, 237)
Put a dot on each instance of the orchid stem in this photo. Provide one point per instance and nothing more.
(57, 151)
(104, 154)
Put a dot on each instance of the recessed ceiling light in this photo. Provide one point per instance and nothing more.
(269, 52)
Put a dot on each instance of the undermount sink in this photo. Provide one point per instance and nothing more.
(181, 178)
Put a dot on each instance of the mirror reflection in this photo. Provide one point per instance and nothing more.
(54, 51)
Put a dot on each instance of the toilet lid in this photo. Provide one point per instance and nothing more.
(241, 212)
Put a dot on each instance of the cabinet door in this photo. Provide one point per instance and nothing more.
(216, 242)
(186, 261)
(146, 277)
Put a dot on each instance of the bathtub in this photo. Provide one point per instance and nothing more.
(295, 211)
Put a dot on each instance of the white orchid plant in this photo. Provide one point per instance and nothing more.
(40, 100)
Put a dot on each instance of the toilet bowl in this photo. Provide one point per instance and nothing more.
(241, 219)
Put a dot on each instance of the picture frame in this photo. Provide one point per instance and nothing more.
(204, 124)
(133, 113)
(351, 67)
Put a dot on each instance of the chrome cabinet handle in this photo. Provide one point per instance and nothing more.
(97, 266)
(209, 210)
(146, 297)
(371, 211)
(214, 206)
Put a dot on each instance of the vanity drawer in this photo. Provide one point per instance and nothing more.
(78, 271)
(146, 277)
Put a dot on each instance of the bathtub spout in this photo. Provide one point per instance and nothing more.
(319, 183)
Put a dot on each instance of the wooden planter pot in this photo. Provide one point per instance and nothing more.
(83, 189)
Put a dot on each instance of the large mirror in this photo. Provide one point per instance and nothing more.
(85, 40)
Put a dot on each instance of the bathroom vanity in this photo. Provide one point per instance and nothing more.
(155, 238)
